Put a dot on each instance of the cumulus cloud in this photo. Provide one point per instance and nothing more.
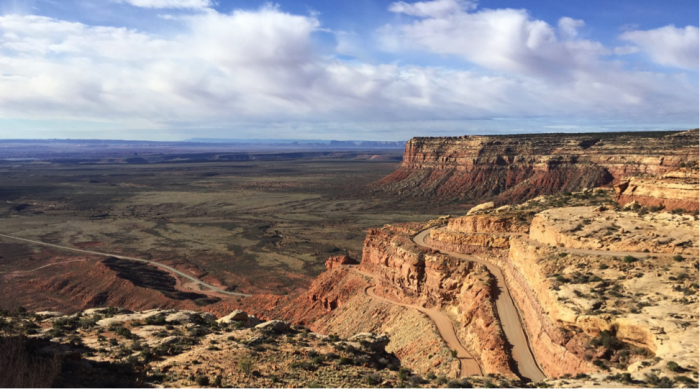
(500, 39)
(224, 70)
(186, 4)
(668, 45)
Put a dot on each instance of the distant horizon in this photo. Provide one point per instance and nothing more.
(316, 141)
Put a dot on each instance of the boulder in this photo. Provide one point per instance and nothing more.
(48, 314)
(274, 325)
(186, 316)
(134, 316)
(481, 207)
(504, 208)
(374, 342)
(334, 262)
(236, 315)
(252, 321)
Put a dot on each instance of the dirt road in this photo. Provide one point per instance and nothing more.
(166, 267)
(510, 319)
(468, 365)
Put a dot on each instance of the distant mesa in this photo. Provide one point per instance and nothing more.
(512, 168)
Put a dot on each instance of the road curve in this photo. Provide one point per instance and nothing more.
(41, 267)
(166, 267)
(510, 318)
(468, 365)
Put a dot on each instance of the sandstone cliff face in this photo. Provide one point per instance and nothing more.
(406, 273)
(487, 224)
(469, 239)
(518, 167)
(556, 350)
(674, 190)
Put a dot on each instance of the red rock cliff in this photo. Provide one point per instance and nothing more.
(518, 167)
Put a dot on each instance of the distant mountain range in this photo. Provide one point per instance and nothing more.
(354, 144)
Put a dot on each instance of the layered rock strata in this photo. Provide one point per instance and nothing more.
(518, 167)
(673, 190)
(488, 224)
(407, 273)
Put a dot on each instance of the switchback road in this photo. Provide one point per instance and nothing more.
(510, 319)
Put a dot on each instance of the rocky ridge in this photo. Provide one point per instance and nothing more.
(513, 168)
(675, 190)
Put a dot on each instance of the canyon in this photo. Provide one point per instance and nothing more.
(581, 271)
(576, 273)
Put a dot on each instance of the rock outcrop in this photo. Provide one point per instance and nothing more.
(512, 168)
(674, 190)
(334, 262)
(406, 273)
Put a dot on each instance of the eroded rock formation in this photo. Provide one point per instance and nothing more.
(518, 167)
(674, 190)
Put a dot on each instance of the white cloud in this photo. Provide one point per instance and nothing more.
(255, 68)
(189, 4)
(668, 45)
(568, 27)
(501, 39)
(436, 8)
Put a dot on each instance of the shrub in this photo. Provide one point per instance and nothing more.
(403, 373)
(202, 380)
(441, 380)
(678, 258)
(603, 266)
(372, 379)
(345, 361)
(463, 383)
(562, 279)
(217, 381)
(245, 366)
(453, 353)
(155, 320)
(431, 376)
(673, 366)
(687, 381)
(629, 259)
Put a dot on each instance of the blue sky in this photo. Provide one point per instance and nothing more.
(383, 70)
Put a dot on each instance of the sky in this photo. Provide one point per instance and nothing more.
(347, 70)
